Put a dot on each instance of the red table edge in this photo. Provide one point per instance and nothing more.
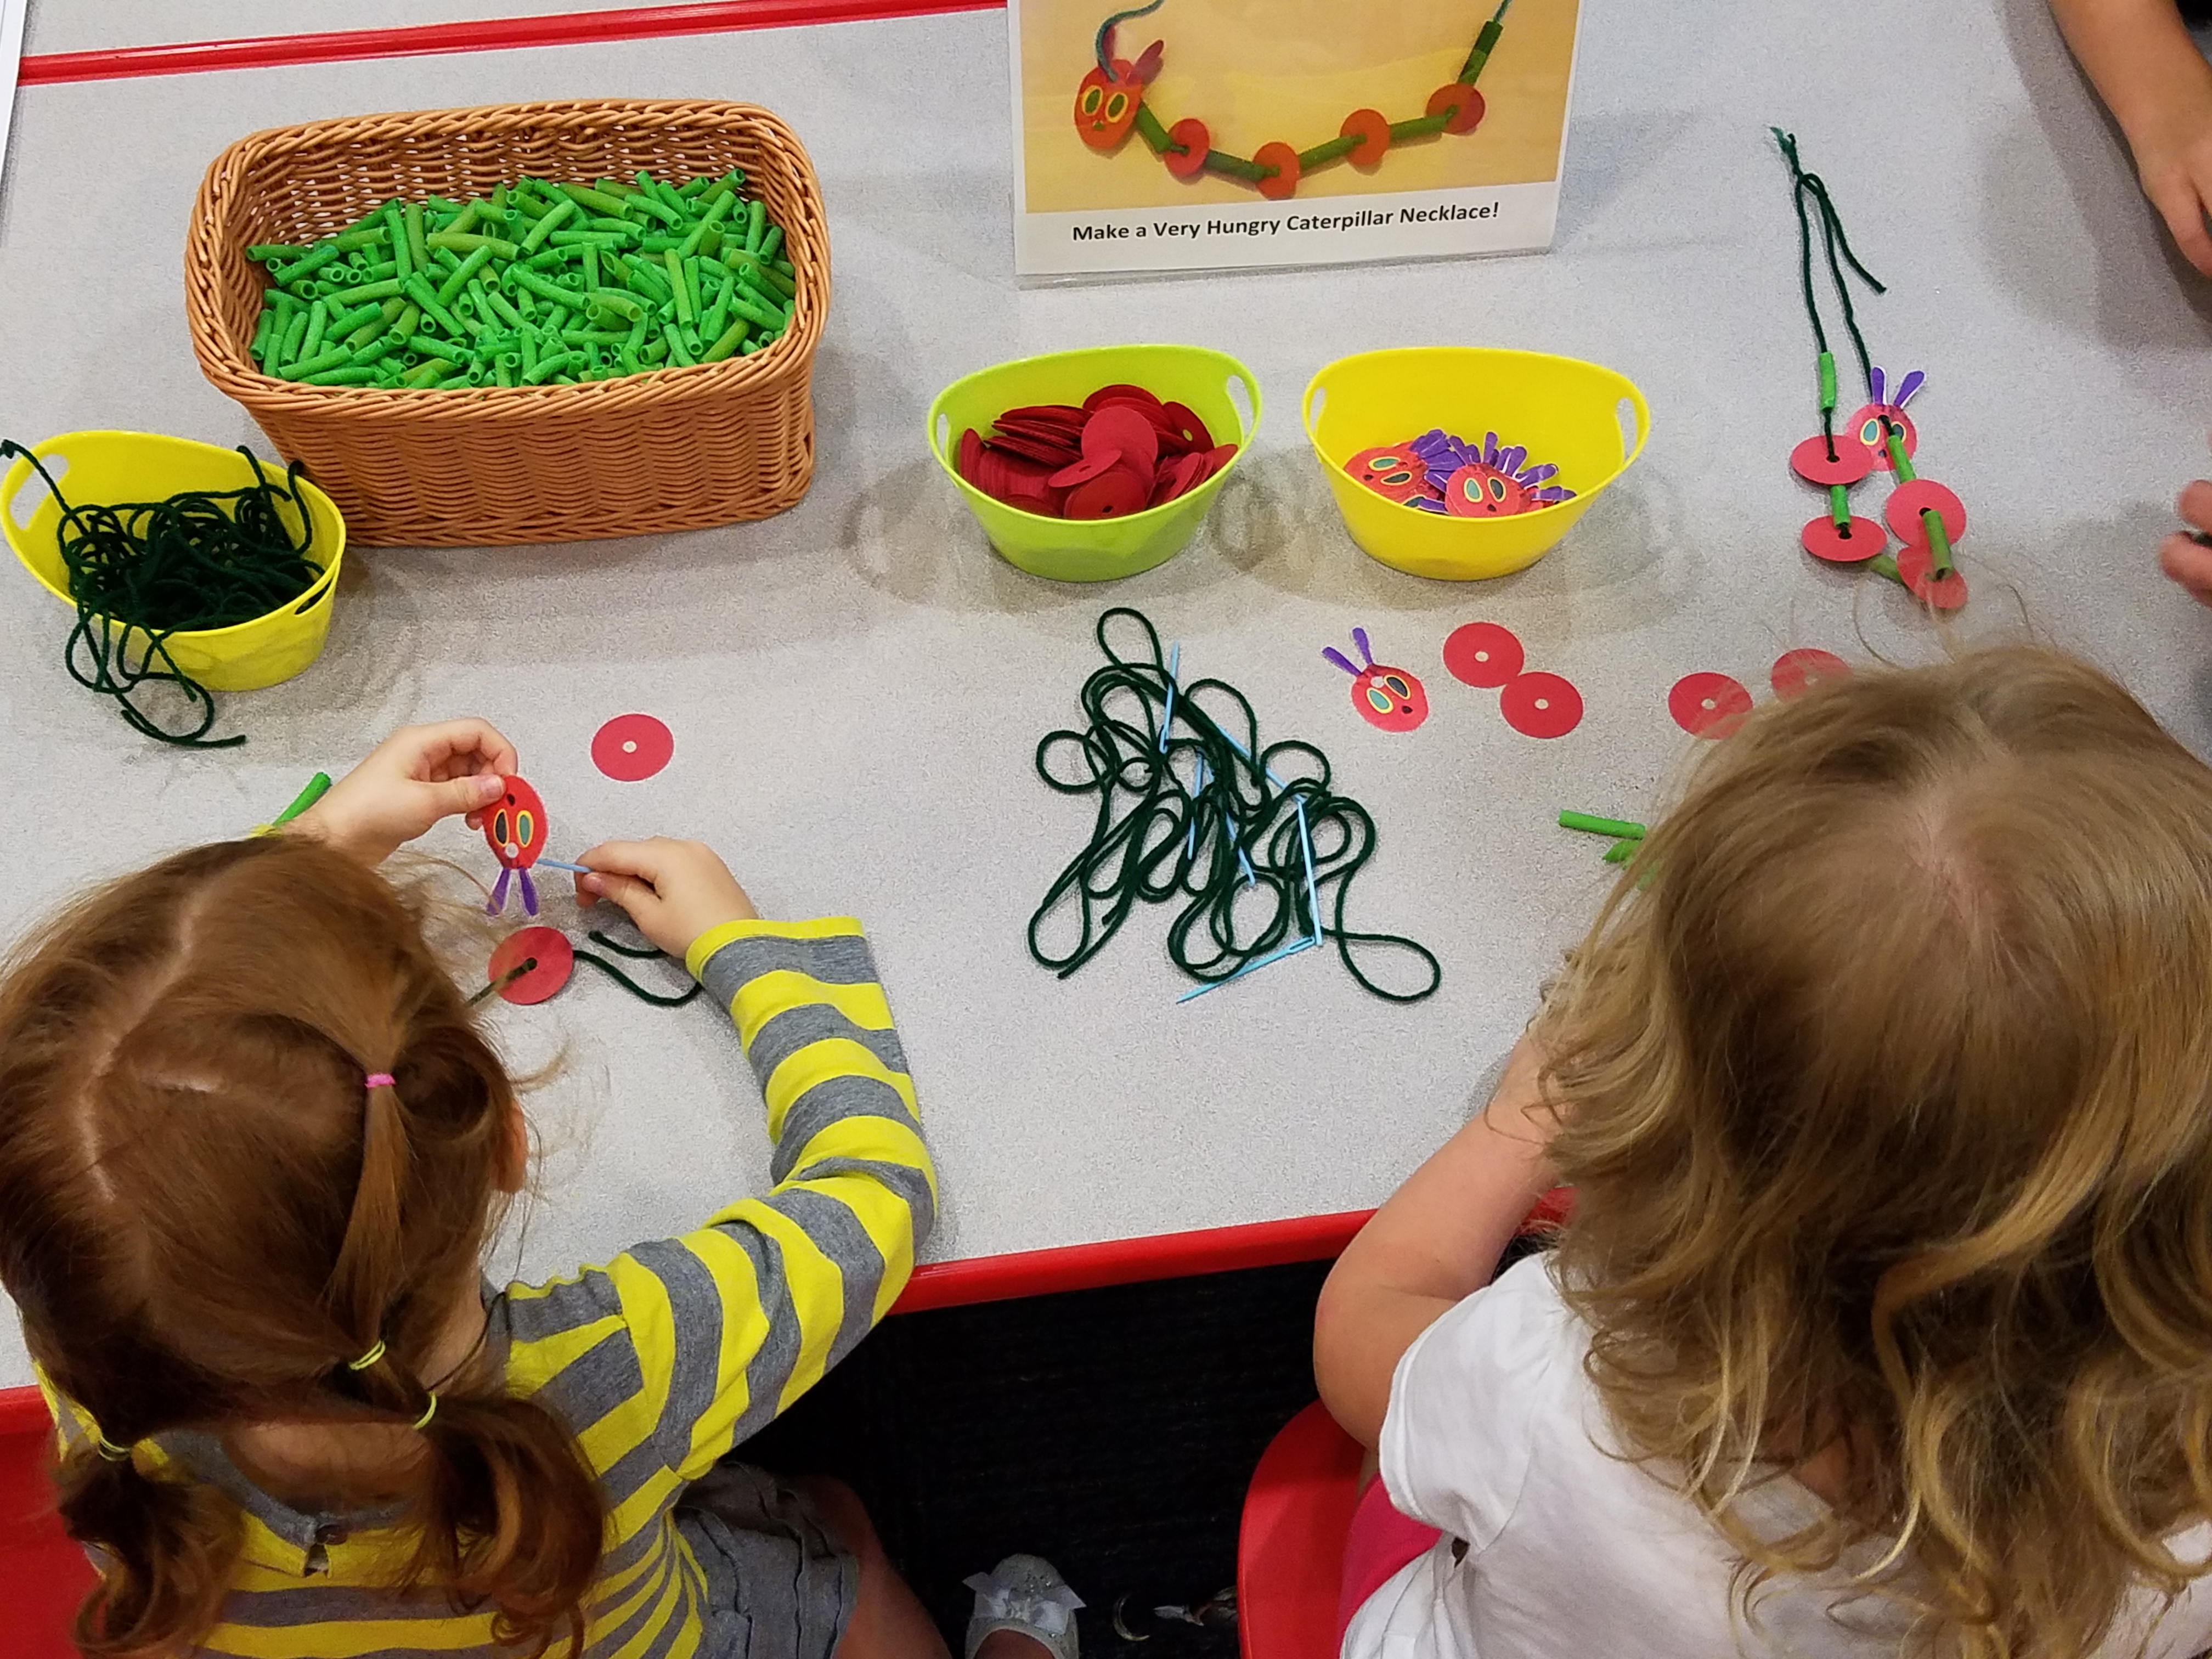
(1042, 1273)
(484, 35)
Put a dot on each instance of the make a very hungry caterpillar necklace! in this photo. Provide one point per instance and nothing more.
(1111, 103)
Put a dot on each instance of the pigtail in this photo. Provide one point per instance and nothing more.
(507, 1511)
(167, 1550)
(510, 1515)
(369, 1261)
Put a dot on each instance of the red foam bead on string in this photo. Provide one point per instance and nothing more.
(1465, 104)
(552, 957)
(1282, 183)
(1195, 141)
(1796, 673)
(1909, 501)
(1810, 462)
(1541, 705)
(1372, 128)
(1943, 593)
(1825, 540)
(1709, 705)
(1483, 654)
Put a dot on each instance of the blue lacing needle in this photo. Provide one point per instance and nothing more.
(1290, 950)
(563, 864)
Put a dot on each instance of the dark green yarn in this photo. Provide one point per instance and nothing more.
(200, 560)
(1157, 838)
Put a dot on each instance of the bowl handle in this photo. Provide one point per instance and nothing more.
(18, 478)
(1634, 398)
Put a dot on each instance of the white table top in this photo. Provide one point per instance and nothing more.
(857, 687)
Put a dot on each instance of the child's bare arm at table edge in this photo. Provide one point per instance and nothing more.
(1435, 1243)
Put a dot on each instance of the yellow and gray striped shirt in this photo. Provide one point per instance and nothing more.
(671, 1354)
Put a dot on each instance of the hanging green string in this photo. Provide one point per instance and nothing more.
(1199, 814)
(648, 954)
(141, 571)
(1836, 248)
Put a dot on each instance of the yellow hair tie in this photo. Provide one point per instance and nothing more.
(108, 1449)
(366, 1359)
(429, 1412)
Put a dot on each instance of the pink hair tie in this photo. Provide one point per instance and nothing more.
(379, 1080)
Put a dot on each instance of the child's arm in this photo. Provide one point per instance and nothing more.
(415, 777)
(2159, 88)
(729, 1324)
(1433, 1244)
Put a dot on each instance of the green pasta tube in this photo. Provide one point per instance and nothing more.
(728, 343)
(450, 290)
(537, 282)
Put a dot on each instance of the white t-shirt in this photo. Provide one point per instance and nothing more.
(1495, 1436)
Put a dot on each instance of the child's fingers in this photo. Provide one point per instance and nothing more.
(466, 795)
(2196, 504)
(645, 858)
(2176, 198)
(462, 747)
(2189, 563)
(635, 896)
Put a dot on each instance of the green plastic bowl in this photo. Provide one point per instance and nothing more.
(1095, 550)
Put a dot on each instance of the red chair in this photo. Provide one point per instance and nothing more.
(43, 1575)
(1290, 1549)
(1297, 1512)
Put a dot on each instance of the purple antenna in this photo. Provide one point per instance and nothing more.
(1510, 460)
(1360, 639)
(499, 892)
(1874, 383)
(1490, 449)
(1912, 383)
(1340, 660)
(529, 892)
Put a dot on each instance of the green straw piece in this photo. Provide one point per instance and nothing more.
(1590, 823)
(728, 343)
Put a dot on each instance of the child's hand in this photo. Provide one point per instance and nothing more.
(2173, 159)
(412, 779)
(674, 890)
(2182, 556)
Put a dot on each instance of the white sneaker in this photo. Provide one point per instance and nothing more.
(1025, 1593)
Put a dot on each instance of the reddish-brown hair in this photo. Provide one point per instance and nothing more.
(204, 1216)
(1885, 1079)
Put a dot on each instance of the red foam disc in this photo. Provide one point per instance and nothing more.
(1909, 501)
(1083, 472)
(1283, 183)
(1944, 593)
(552, 960)
(1190, 431)
(1372, 128)
(1191, 134)
(971, 452)
(1121, 389)
(1113, 493)
(1465, 104)
(1810, 462)
(1541, 706)
(1709, 705)
(1117, 428)
(1823, 540)
(1483, 654)
(630, 747)
(1796, 673)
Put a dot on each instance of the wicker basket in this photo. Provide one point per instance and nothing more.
(675, 449)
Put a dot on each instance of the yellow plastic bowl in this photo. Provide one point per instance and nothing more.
(1095, 550)
(1566, 413)
(142, 466)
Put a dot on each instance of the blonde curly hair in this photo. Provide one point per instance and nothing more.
(1885, 1084)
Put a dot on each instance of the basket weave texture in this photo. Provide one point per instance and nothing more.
(675, 449)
